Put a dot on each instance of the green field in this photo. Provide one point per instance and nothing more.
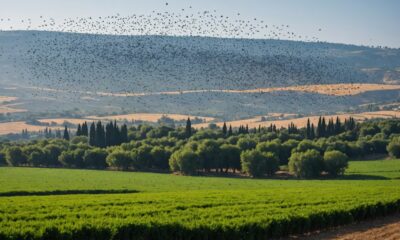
(177, 207)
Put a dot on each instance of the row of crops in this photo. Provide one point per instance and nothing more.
(216, 214)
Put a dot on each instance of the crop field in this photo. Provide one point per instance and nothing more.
(182, 207)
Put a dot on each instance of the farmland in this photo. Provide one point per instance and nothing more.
(185, 207)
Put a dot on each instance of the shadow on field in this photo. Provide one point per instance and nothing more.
(362, 177)
(64, 192)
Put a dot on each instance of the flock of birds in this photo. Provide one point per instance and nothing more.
(155, 54)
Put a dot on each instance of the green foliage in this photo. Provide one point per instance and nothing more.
(15, 156)
(271, 163)
(246, 144)
(171, 207)
(306, 164)
(394, 148)
(2, 159)
(253, 163)
(95, 158)
(119, 159)
(185, 161)
(230, 157)
(335, 162)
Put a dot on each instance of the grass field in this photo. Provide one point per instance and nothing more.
(179, 207)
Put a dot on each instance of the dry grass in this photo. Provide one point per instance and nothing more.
(302, 122)
(61, 121)
(17, 127)
(149, 117)
(8, 108)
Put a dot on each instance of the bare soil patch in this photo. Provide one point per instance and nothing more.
(387, 228)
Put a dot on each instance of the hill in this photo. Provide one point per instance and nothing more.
(65, 71)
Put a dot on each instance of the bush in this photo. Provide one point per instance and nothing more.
(306, 164)
(15, 156)
(185, 161)
(246, 144)
(253, 163)
(230, 157)
(119, 159)
(394, 148)
(335, 162)
(95, 158)
(3, 159)
(36, 158)
(271, 163)
(72, 158)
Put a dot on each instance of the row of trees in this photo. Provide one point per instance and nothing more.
(164, 148)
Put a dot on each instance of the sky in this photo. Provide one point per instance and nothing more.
(360, 22)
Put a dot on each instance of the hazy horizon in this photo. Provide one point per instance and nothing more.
(357, 22)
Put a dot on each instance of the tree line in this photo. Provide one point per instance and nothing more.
(307, 152)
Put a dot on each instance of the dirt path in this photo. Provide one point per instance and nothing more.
(387, 228)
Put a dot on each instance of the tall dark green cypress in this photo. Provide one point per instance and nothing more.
(224, 129)
(188, 129)
(338, 126)
(66, 133)
(323, 127)
(230, 131)
(308, 129)
(100, 135)
(84, 129)
(124, 134)
(312, 132)
(92, 135)
(109, 134)
(79, 130)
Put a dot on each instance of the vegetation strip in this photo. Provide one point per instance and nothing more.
(63, 192)
(243, 214)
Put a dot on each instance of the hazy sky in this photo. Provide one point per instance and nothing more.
(367, 22)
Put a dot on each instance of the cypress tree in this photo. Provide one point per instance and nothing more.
(338, 126)
(84, 129)
(308, 129)
(79, 130)
(323, 127)
(92, 135)
(230, 132)
(224, 129)
(100, 135)
(66, 134)
(312, 132)
(109, 133)
(188, 129)
(124, 134)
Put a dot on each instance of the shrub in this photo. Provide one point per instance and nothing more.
(306, 164)
(36, 158)
(119, 159)
(253, 163)
(15, 156)
(185, 161)
(160, 157)
(95, 158)
(335, 162)
(66, 158)
(230, 157)
(3, 159)
(394, 148)
(271, 163)
(306, 145)
(209, 151)
(246, 144)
